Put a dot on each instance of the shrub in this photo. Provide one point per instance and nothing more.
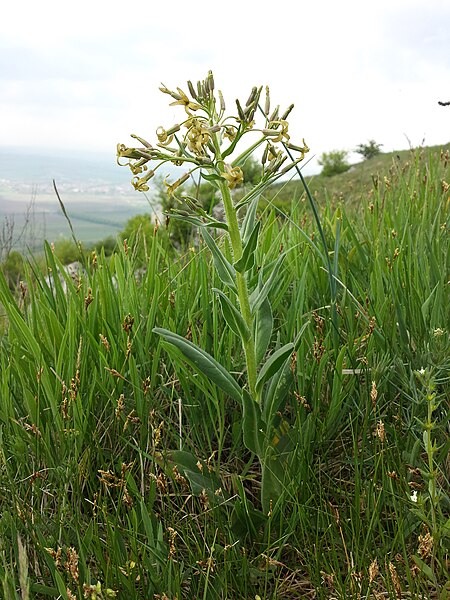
(334, 162)
(368, 150)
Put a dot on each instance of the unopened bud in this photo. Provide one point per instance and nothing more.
(240, 111)
(287, 112)
(274, 115)
(267, 104)
(192, 90)
(214, 129)
(251, 97)
(249, 109)
(210, 81)
(270, 132)
(173, 130)
(222, 102)
(143, 142)
(264, 156)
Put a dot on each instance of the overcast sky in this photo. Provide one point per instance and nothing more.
(84, 75)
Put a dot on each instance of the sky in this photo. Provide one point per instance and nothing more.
(81, 76)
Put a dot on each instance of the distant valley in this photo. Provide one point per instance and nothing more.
(95, 191)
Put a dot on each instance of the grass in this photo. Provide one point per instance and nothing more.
(109, 455)
(354, 186)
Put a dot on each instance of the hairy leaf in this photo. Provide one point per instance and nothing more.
(253, 427)
(273, 364)
(263, 329)
(224, 269)
(203, 362)
(247, 260)
(232, 316)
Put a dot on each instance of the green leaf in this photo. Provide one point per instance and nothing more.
(277, 391)
(446, 528)
(258, 296)
(197, 473)
(248, 222)
(203, 362)
(263, 329)
(255, 192)
(273, 364)
(211, 176)
(247, 259)
(253, 428)
(224, 269)
(211, 223)
(426, 570)
(272, 480)
(232, 316)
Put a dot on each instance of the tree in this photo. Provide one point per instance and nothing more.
(334, 162)
(369, 150)
(67, 251)
(13, 268)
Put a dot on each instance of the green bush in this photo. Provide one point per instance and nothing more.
(12, 268)
(368, 150)
(334, 162)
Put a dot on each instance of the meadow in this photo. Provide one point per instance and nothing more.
(129, 470)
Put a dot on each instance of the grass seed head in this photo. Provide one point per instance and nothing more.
(71, 564)
(373, 571)
(425, 545)
(395, 580)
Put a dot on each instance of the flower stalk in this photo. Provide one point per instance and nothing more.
(206, 141)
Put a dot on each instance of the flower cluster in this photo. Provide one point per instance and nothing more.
(207, 139)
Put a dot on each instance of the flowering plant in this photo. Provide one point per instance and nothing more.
(206, 142)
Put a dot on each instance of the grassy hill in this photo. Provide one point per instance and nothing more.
(130, 471)
(354, 185)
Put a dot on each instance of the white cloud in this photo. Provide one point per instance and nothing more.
(87, 74)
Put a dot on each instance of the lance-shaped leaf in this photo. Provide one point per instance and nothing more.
(211, 223)
(280, 384)
(253, 428)
(210, 176)
(263, 329)
(224, 269)
(203, 362)
(199, 476)
(276, 392)
(273, 364)
(258, 296)
(247, 259)
(248, 222)
(232, 316)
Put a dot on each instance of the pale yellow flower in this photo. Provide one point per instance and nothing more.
(230, 133)
(277, 135)
(184, 101)
(176, 184)
(197, 137)
(233, 175)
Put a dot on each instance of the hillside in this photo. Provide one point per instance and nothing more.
(354, 185)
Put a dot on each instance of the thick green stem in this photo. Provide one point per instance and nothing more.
(242, 288)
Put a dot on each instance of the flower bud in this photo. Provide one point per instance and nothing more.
(264, 156)
(210, 81)
(274, 115)
(267, 103)
(222, 102)
(139, 139)
(192, 90)
(251, 97)
(287, 112)
(173, 130)
(240, 111)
